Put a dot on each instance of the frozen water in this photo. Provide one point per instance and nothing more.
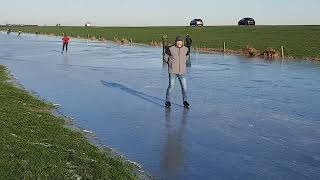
(249, 118)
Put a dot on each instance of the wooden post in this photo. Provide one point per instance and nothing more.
(88, 40)
(224, 46)
(282, 52)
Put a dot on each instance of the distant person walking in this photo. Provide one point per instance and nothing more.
(65, 40)
(164, 44)
(177, 69)
(188, 43)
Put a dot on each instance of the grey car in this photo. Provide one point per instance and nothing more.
(247, 22)
(196, 22)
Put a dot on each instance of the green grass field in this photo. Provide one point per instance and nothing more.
(34, 144)
(298, 41)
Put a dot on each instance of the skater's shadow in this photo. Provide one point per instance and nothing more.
(56, 51)
(66, 63)
(152, 99)
(66, 60)
(173, 159)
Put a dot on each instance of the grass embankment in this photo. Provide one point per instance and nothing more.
(298, 41)
(34, 144)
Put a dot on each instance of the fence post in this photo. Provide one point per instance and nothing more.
(282, 52)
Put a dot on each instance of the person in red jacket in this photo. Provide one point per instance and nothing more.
(65, 40)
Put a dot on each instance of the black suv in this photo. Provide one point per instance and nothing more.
(196, 22)
(246, 22)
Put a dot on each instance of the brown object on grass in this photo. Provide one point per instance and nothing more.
(124, 41)
(250, 51)
(269, 53)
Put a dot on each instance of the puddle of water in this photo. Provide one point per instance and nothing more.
(249, 119)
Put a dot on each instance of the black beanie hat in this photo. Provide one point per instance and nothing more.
(179, 38)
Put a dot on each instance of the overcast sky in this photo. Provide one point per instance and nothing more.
(158, 12)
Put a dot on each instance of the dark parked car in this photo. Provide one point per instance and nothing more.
(196, 22)
(246, 22)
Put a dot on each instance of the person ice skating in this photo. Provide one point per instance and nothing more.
(19, 33)
(188, 45)
(164, 44)
(177, 69)
(65, 40)
(188, 42)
